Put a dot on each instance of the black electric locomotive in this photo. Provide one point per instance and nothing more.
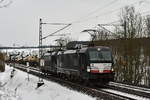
(94, 64)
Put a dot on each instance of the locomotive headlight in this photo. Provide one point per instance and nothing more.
(112, 69)
(88, 69)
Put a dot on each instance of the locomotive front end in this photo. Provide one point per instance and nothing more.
(100, 67)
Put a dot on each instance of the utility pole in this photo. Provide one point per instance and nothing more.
(40, 38)
(40, 82)
(41, 61)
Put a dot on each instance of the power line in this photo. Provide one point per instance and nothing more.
(102, 14)
(29, 47)
(100, 8)
(118, 8)
(105, 13)
(56, 31)
(145, 13)
(56, 23)
(113, 22)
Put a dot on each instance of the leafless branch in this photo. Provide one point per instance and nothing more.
(5, 5)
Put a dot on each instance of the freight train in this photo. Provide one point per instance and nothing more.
(33, 60)
(89, 64)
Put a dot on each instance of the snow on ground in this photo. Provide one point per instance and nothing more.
(19, 88)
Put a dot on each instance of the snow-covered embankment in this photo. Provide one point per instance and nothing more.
(19, 88)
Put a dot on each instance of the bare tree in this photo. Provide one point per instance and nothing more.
(130, 67)
(5, 3)
(130, 49)
(147, 23)
(132, 23)
(100, 34)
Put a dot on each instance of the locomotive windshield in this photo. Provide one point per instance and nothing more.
(100, 55)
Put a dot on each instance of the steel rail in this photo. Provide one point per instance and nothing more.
(129, 89)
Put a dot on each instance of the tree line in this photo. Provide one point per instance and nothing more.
(130, 46)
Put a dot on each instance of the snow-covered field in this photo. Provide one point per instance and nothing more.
(19, 88)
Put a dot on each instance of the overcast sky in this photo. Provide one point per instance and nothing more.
(19, 23)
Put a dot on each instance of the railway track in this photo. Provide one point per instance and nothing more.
(100, 93)
(140, 91)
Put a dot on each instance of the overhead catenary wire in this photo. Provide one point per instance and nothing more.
(112, 23)
(100, 25)
(57, 23)
(94, 11)
(82, 19)
(103, 14)
(57, 31)
(145, 13)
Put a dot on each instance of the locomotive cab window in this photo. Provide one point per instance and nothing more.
(100, 55)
